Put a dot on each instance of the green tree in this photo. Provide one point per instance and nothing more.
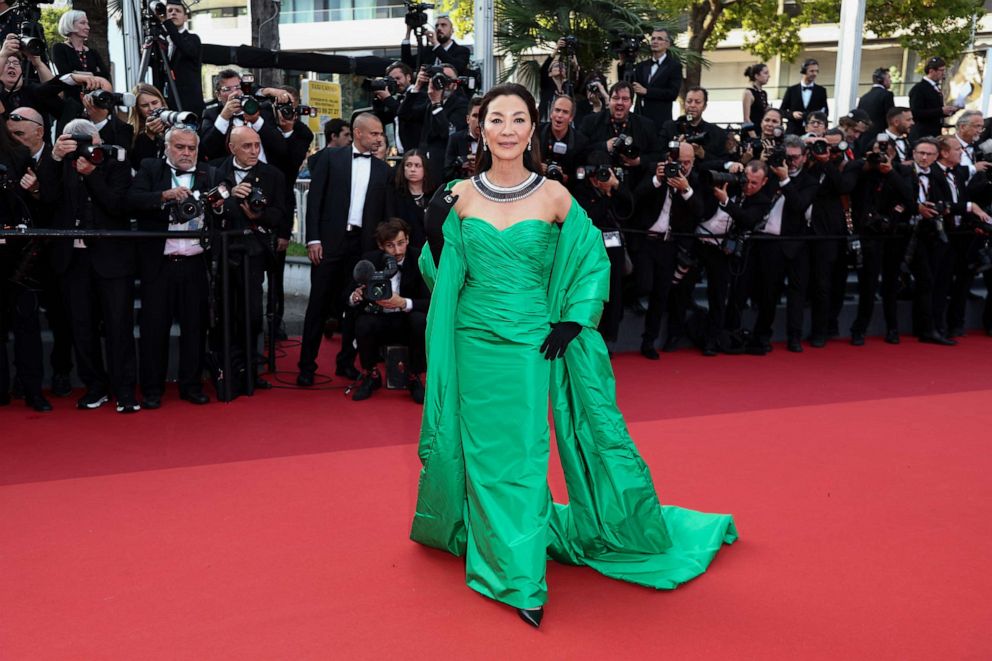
(462, 15)
(50, 16)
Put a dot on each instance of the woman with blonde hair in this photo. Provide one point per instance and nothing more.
(149, 131)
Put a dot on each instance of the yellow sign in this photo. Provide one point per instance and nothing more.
(326, 98)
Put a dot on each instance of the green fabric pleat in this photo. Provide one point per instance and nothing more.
(485, 417)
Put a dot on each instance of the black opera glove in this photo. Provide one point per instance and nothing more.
(434, 216)
(559, 338)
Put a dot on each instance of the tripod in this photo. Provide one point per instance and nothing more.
(154, 45)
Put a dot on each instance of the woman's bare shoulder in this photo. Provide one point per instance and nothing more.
(461, 187)
(559, 197)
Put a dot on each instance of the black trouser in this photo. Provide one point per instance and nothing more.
(743, 274)
(987, 311)
(374, 331)
(717, 266)
(275, 302)
(82, 289)
(838, 285)
(19, 313)
(655, 266)
(964, 248)
(177, 291)
(328, 281)
(881, 256)
(57, 316)
(823, 256)
(778, 260)
(609, 323)
(929, 271)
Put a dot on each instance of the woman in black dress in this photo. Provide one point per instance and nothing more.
(414, 189)
(755, 98)
(149, 132)
(73, 55)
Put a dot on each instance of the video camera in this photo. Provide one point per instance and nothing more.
(95, 154)
(195, 205)
(378, 284)
(416, 14)
(110, 100)
(176, 117)
(626, 46)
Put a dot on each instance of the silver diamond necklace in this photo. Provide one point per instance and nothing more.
(495, 193)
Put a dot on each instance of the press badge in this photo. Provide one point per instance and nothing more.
(612, 239)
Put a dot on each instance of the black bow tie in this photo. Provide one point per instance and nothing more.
(179, 172)
(805, 88)
(360, 155)
(924, 174)
(237, 169)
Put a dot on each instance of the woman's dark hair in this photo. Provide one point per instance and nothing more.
(532, 156)
(751, 73)
(774, 110)
(400, 176)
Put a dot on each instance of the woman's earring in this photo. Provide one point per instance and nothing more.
(485, 145)
(529, 145)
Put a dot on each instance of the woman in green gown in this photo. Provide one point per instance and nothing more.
(518, 289)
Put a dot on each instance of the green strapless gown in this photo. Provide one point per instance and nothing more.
(485, 438)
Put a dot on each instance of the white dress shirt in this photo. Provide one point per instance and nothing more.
(222, 125)
(663, 222)
(185, 247)
(656, 64)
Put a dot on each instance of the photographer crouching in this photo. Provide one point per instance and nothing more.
(391, 299)
(174, 194)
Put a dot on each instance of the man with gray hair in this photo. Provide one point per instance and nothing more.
(173, 271)
(95, 274)
(967, 129)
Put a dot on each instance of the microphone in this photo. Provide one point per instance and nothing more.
(363, 271)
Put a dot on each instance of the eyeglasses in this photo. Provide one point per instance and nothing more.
(20, 118)
(229, 88)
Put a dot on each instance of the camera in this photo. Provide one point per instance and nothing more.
(715, 178)
(257, 200)
(672, 168)
(878, 222)
(626, 45)
(776, 157)
(33, 46)
(983, 152)
(385, 84)
(623, 145)
(555, 173)
(688, 132)
(600, 172)
(571, 42)
(439, 79)
(95, 154)
(839, 148)
(110, 100)
(732, 245)
(176, 117)
(194, 206)
(378, 284)
(685, 261)
(982, 260)
(289, 111)
(157, 7)
(416, 16)
(818, 147)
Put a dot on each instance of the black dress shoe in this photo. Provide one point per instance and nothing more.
(531, 616)
(92, 400)
(262, 384)
(128, 404)
(194, 396)
(956, 332)
(416, 388)
(937, 338)
(818, 342)
(348, 372)
(794, 345)
(892, 336)
(38, 403)
(857, 339)
(833, 330)
(648, 351)
(755, 348)
(151, 402)
(61, 385)
(304, 379)
(367, 383)
(710, 349)
(671, 344)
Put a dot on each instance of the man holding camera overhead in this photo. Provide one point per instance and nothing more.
(184, 57)
(171, 194)
(443, 48)
(435, 100)
(96, 276)
(240, 104)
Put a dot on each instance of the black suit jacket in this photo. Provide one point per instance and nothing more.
(144, 201)
(213, 143)
(106, 188)
(456, 55)
(927, 105)
(412, 283)
(459, 145)
(662, 88)
(329, 201)
(598, 129)
(877, 102)
(297, 145)
(271, 181)
(116, 132)
(684, 216)
(799, 195)
(836, 179)
(792, 101)
(186, 64)
(714, 144)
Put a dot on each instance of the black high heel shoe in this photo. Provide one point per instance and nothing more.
(531, 616)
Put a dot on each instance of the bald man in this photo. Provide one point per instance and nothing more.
(348, 198)
(248, 174)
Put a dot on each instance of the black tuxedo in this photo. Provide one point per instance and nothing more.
(600, 128)
(439, 125)
(877, 102)
(927, 105)
(99, 276)
(574, 156)
(213, 142)
(172, 286)
(662, 88)
(186, 64)
(714, 143)
(460, 144)
(328, 205)
(792, 101)
(116, 132)
(456, 55)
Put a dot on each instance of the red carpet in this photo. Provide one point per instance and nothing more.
(275, 527)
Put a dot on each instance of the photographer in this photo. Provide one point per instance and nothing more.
(96, 275)
(778, 260)
(769, 139)
(399, 319)
(631, 140)
(667, 203)
(855, 125)
(658, 81)
(15, 91)
(709, 141)
(170, 195)
(609, 204)
(239, 105)
(806, 97)
(97, 108)
(19, 300)
(149, 131)
(463, 146)
(257, 207)
(442, 111)
(591, 97)
(442, 47)
(561, 145)
(184, 59)
(386, 105)
(559, 74)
